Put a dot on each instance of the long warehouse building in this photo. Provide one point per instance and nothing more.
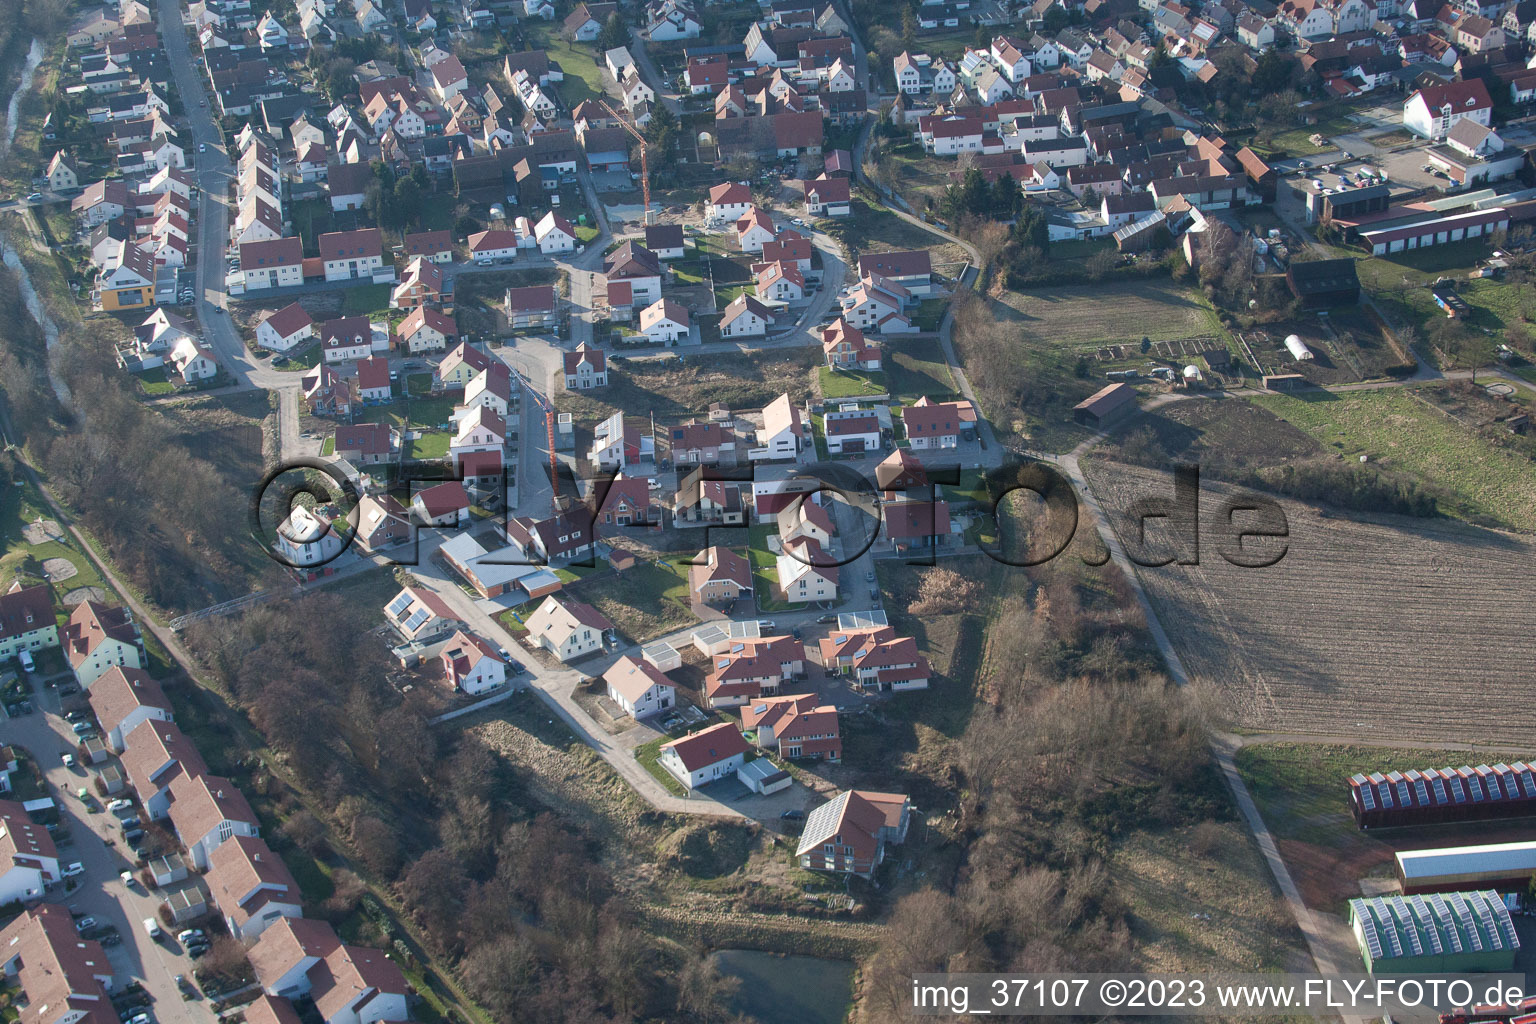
(1397, 799)
(1445, 933)
(1505, 867)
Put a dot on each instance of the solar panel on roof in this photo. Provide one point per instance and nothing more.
(416, 619)
(1367, 797)
(1421, 791)
(1403, 796)
(1527, 781)
(1458, 788)
(1437, 785)
(1384, 794)
(1475, 788)
(398, 605)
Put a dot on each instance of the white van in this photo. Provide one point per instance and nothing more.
(152, 929)
(27, 664)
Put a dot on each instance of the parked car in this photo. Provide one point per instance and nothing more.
(152, 929)
(132, 836)
(120, 805)
(85, 923)
(764, 623)
(74, 869)
(793, 815)
(25, 659)
(68, 759)
(81, 728)
(826, 619)
(35, 197)
(130, 823)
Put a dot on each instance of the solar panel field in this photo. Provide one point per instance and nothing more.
(1370, 627)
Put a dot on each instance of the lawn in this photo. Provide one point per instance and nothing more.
(418, 383)
(876, 229)
(1402, 283)
(583, 74)
(930, 314)
(688, 271)
(647, 754)
(917, 368)
(367, 298)
(154, 382)
(644, 601)
(306, 360)
(430, 445)
(765, 574)
(1472, 477)
(851, 383)
(420, 412)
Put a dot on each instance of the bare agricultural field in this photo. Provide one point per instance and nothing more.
(1085, 317)
(1411, 628)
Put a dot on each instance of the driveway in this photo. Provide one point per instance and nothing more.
(97, 845)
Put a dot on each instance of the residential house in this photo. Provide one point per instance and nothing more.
(753, 668)
(746, 317)
(491, 388)
(667, 20)
(192, 362)
(665, 241)
(620, 445)
(472, 665)
(208, 811)
(421, 284)
(373, 383)
(827, 197)
(130, 284)
(532, 306)
(98, 637)
(433, 246)
(155, 754)
(554, 234)
(795, 726)
(273, 264)
(379, 521)
(55, 975)
(367, 444)
(877, 303)
(29, 862)
(61, 173)
(1433, 110)
(728, 202)
(913, 270)
(639, 688)
(783, 432)
(705, 756)
(346, 339)
(444, 504)
(585, 368)
(635, 265)
(479, 430)
(701, 444)
(251, 886)
(754, 229)
(849, 833)
(806, 572)
(124, 698)
(326, 393)
(780, 283)
(305, 539)
(567, 628)
(719, 576)
(665, 321)
(349, 255)
(562, 538)
(625, 501)
(845, 348)
(427, 330)
(851, 431)
(931, 424)
(876, 657)
(286, 329)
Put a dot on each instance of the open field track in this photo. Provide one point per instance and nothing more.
(1418, 628)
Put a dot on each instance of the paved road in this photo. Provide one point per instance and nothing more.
(97, 845)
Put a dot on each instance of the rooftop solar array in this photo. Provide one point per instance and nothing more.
(1434, 925)
(1511, 784)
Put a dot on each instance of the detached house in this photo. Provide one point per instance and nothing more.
(931, 424)
(567, 628)
(827, 197)
(745, 317)
(848, 834)
(845, 348)
(664, 321)
(1432, 111)
(639, 687)
(472, 665)
(719, 576)
(705, 756)
(286, 329)
(783, 432)
(585, 368)
(350, 255)
(444, 504)
(728, 202)
(427, 330)
(26, 620)
(559, 539)
(251, 886)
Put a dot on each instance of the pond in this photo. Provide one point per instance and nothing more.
(788, 989)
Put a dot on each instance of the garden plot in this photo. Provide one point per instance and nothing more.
(1086, 318)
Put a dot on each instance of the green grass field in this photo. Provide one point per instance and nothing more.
(851, 383)
(364, 299)
(1401, 282)
(916, 367)
(1485, 483)
(155, 382)
(647, 753)
(765, 574)
(644, 601)
(417, 412)
(579, 61)
(433, 445)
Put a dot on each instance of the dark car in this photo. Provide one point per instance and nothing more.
(826, 619)
(793, 816)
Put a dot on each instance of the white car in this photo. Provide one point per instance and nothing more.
(85, 924)
(77, 868)
(152, 929)
(119, 805)
(68, 759)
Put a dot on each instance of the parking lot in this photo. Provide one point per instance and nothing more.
(91, 837)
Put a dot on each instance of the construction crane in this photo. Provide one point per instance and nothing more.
(645, 167)
(549, 428)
